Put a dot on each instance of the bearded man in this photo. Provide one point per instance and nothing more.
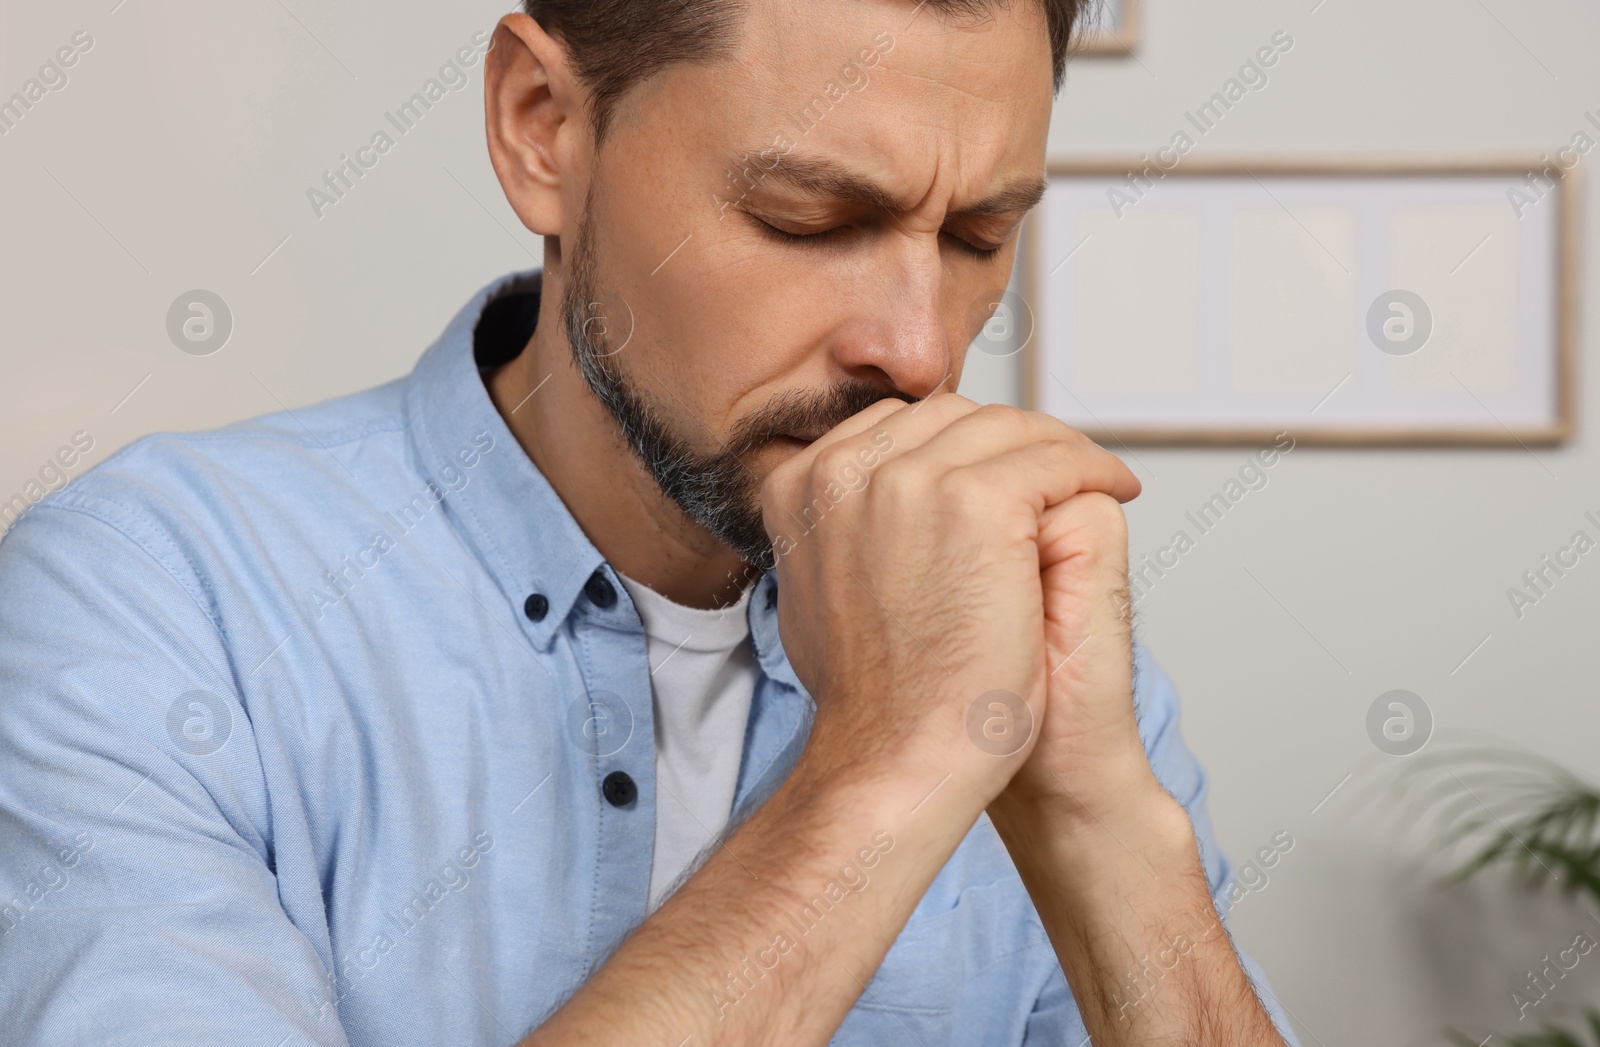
(674, 657)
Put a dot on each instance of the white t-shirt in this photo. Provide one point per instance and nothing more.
(703, 672)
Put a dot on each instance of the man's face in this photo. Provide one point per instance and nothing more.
(698, 316)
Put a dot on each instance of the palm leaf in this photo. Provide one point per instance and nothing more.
(1489, 805)
(1482, 805)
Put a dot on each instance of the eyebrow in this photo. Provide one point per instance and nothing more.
(819, 176)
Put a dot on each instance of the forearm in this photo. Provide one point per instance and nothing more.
(1124, 899)
(757, 947)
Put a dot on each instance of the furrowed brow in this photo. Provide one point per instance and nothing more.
(819, 177)
(816, 176)
(1017, 198)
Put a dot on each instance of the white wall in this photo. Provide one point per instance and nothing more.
(178, 157)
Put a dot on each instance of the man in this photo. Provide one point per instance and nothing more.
(671, 658)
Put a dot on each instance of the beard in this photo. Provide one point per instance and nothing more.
(718, 490)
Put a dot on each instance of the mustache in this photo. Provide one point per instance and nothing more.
(798, 411)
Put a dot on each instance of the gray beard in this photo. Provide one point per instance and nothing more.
(718, 491)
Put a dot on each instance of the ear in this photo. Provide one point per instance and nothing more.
(535, 122)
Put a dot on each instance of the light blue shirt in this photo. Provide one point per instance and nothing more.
(289, 755)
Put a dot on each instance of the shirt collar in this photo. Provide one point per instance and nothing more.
(507, 510)
(515, 521)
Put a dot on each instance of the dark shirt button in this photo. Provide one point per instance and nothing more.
(598, 589)
(536, 606)
(619, 788)
(772, 598)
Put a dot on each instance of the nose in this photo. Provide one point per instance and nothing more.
(898, 336)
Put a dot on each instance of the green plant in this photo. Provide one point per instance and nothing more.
(1491, 806)
(1547, 1036)
(1504, 807)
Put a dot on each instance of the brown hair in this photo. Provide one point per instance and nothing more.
(617, 44)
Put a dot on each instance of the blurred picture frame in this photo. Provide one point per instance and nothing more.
(1391, 300)
(1112, 28)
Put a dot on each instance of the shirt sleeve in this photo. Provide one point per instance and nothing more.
(1054, 1021)
(138, 895)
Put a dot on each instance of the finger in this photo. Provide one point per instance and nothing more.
(1086, 523)
(1046, 471)
(911, 424)
(996, 428)
(1086, 603)
(906, 426)
(860, 422)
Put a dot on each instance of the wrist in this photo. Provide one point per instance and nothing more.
(904, 770)
(1120, 786)
(1137, 829)
(1129, 912)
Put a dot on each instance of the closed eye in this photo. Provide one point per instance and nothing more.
(809, 239)
(980, 253)
(830, 236)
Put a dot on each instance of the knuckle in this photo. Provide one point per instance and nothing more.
(1067, 454)
(1004, 414)
(967, 489)
(950, 406)
(772, 484)
(899, 482)
(968, 493)
(779, 488)
(1002, 410)
(1052, 428)
(831, 461)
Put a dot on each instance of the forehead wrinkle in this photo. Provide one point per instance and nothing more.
(829, 179)
(1018, 196)
(944, 84)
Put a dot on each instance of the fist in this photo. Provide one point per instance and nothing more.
(915, 591)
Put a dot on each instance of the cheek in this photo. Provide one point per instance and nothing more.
(723, 353)
(722, 319)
